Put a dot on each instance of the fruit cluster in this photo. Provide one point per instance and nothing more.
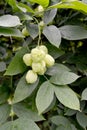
(38, 60)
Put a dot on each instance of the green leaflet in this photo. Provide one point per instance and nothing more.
(44, 3)
(17, 65)
(20, 124)
(67, 97)
(45, 96)
(76, 5)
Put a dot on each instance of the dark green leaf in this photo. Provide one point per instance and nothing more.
(4, 112)
(68, 127)
(73, 127)
(54, 51)
(57, 68)
(63, 78)
(20, 124)
(33, 30)
(45, 96)
(3, 97)
(70, 112)
(51, 105)
(23, 111)
(73, 32)
(62, 123)
(52, 33)
(67, 97)
(4, 93)
(49, 16)
(84, 94)
(17, 65)
(60, 128)
(82, 119)
(10, 32)
(23, 90)
(60, 120)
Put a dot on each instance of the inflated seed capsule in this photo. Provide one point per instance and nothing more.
(25, 32)
(49, 60)
(31, 77)
(38, 66)
(41, 25)
(42, 71)
(40, 8)
(37, 55)
(43, 48)
(27, 59)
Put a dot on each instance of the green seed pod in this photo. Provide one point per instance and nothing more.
(42, 25)
(40, 8)
(25, 32)
(43, 48)
(37, 55)
(39, 67)
(49, 60)
(27, 59)
(43, 70)
(31, 77)
(39, 11)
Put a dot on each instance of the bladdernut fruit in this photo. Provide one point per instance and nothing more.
(31, 77)
(43, 48)
(38, 60)
(42, 71)
(40, 8)
(27, 59)
(49, 60)
(37, 55)
(25, 32)
(39, 67)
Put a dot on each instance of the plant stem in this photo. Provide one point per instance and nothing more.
(39, 39)
(39, 31)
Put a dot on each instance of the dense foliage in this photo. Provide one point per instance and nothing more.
(35, 92)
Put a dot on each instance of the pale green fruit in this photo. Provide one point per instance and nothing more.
(39, 11)
(43, 70)
(25, 32)
(40, 8)
(31, 77)
(12, 113)
(27, 59)
(37, 55)
(9, 101)
(16, 48)
(80, 43)
(49, 60)
(39, 67)
(41, 24)
(43, 48)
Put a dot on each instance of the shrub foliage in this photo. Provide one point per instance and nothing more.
(54, 95)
